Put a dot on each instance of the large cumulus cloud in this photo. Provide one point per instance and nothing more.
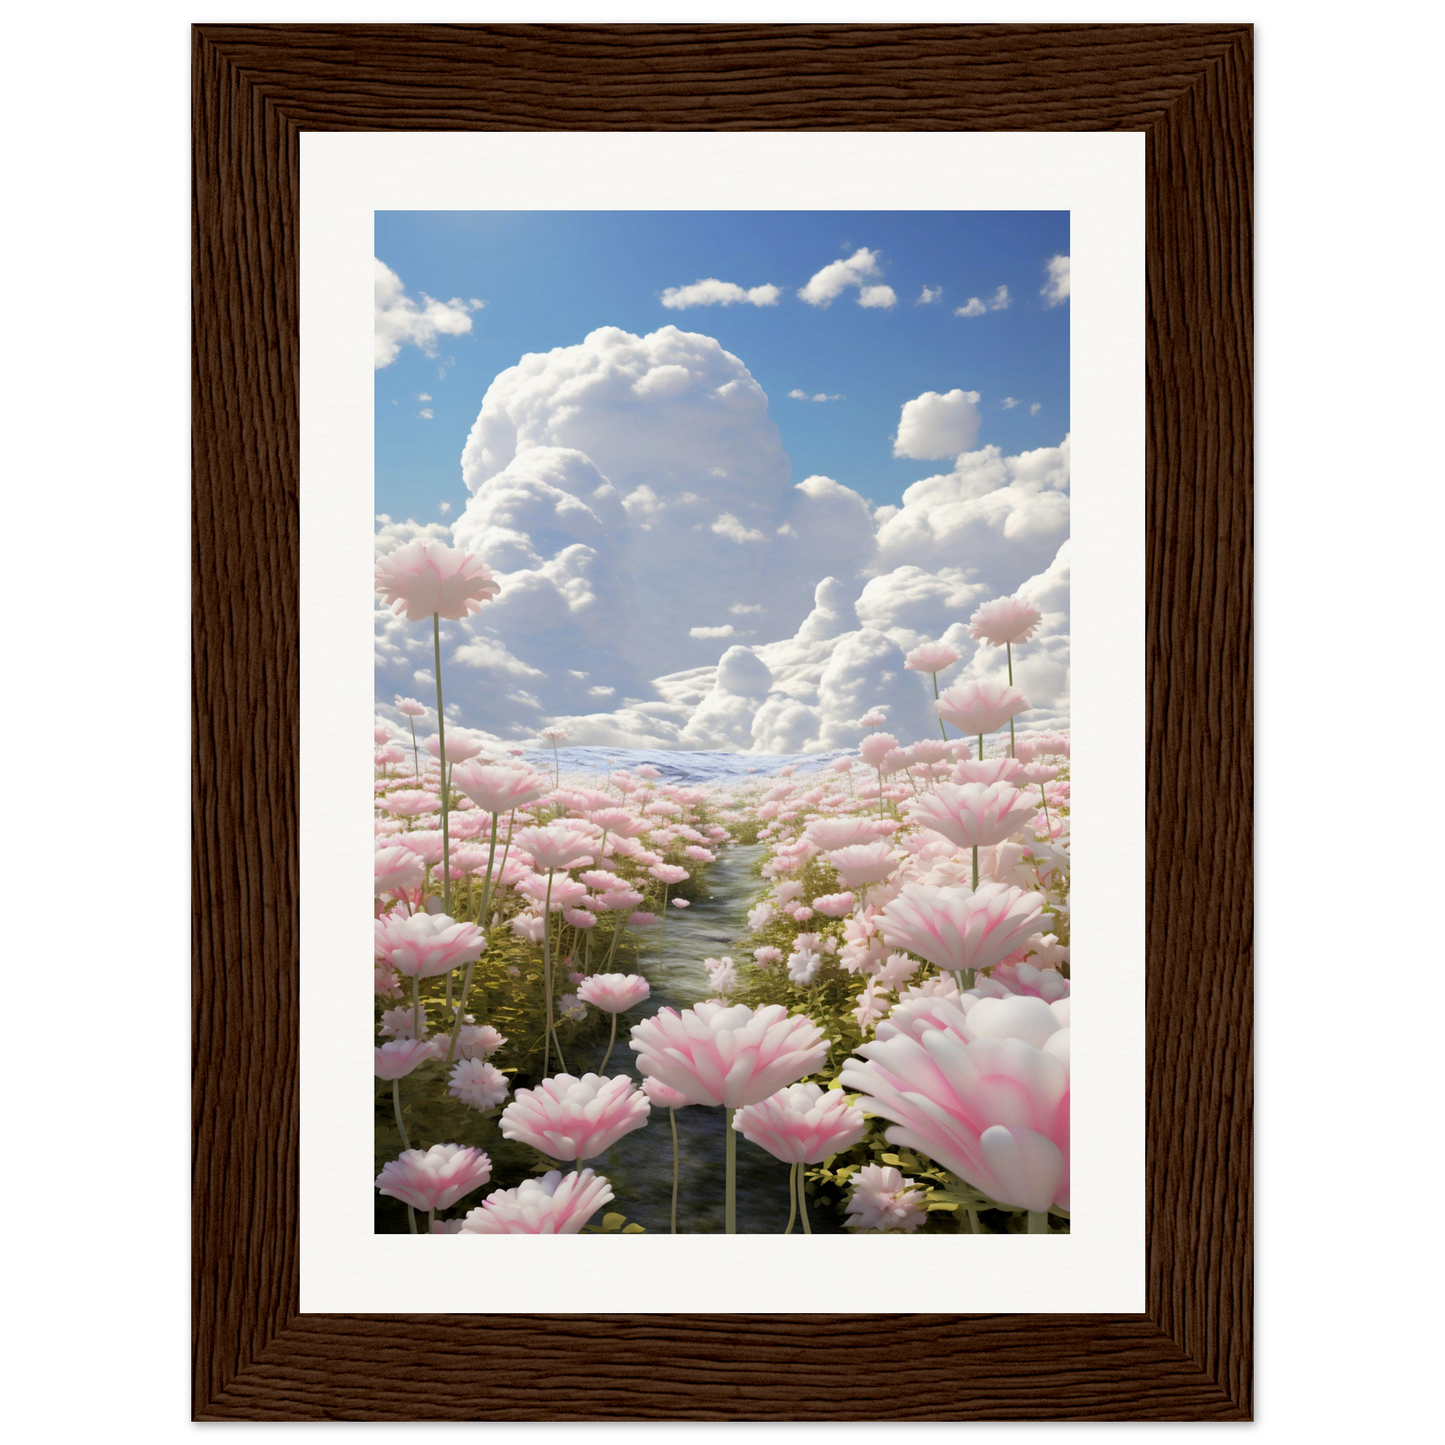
(666, 584)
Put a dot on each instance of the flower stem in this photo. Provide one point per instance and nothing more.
(547, 980)
(415, 1008)
(941, 727)
(803, 1199)
(730, 1204)
(401, 1129)
(1038, 1221)
(611, 1040)
(436, 638)
(481, 915)
(792, 1196)
(415, 756)
(980, 747)
(1009, 648)
(672, 1116)
(975, 867)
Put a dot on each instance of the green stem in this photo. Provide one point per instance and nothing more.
(1038, 1221)
(415, 1009)
(481, 915)
(611, 1040)
(803, 1198)
(672, 1116)
(436, 637)
(980, 747)
(431, 1219)
(1009, 647)
(401, 1129)
(547, 981)
(941, 727)
(792, 1196)
(975, 867)
(415, 756)
(730, 1204)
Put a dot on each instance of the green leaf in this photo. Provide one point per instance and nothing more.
(613, 1221)
(634, 1229)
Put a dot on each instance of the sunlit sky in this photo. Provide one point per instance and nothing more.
(546, 279)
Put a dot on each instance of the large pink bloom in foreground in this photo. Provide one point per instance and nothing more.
(980, 707)
(570, 1118)
(862, 864)
(398, 868)
(728, 1054)
(435, 1179)
(995, 1111)
(802, 1123)
(555, 846)
(425, 577)
(973, 815)
(955, 928)
(496, 789)
(1005, 619)
(613, 993)
(423, 944)
(554, 1204)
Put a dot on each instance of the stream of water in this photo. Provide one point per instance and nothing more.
(640, 1164)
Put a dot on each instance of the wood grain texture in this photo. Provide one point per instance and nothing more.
(1188, 88)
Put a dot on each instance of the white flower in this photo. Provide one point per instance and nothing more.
(478, 1084)
(397, 1023)
(803, 966)
(884, 1200)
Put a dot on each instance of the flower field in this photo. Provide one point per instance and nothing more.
(830, 995)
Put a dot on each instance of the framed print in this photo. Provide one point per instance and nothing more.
(710, 479)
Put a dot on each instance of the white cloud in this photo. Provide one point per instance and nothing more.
(973, 307)
(1000, 299)
(827, 285)
(1035, 408)
(1056, 289)
(798, 394)
(875, 297)
(929, 295)
(425, 413)
(728, 526)
(400, 321)
(1009, 402)
(713, 292)
(634, 529)
(423, 396)
(444, 508)
(937, 425)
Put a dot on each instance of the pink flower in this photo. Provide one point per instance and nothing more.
(883, 1199)
(423, 944)
(722, 975)
(398, 1023)
(863, 864)
(410, 707)
(730, 1055)
(478, 1084)
(555, 846)
(618, 897)
(955, 929)
(620, 822)
(641, 919)
(664, 1096)
(530, 926)
(410, 802)
(681, 903)
(802, 1123)
(1006, 619)
(398, 1058)
(874, 748)
(570, 1118)
(834, 905)
(988, 770)
(874, 719)
(973, 815)
(980, 707)
(426, 843)
(461, 748)
(932, 657)
(477, 1041)
(554, 1204)
(829, 834)
(496, 789)
(668, 873)
(614, 993)
(426, 577)
(803, 966)
(398, 868)
(767, 956)
(553, 735)
(995, 1111)
(435, 1179)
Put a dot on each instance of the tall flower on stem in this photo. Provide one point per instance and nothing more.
(1001, 623)
(961, 930)
(933, 658)
(670, 1099)
(411, 710)
(553, 736)
(731, 1055)
(976, 708)
(613, 993)
(427, 577)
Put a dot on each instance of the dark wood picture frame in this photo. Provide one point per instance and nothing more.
(1188, 89)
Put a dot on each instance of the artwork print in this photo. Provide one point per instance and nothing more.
(722, 753)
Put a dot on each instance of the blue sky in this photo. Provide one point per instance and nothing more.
(548, 278)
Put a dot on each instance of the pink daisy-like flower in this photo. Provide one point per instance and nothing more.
(497, 789)
(956, 929)
(478, 1084)
(421, 945)
(972, 815)
(554, 1204)
(436, 1178)
(663, 1095)
(980, 707)
(570, 1118)
(1006, 619)
(802, 1123)
(398, 1058)
(835, 905)
(883, 1199)
(479, 1041)
(932, 657)
(614, 993)
(422, 578)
